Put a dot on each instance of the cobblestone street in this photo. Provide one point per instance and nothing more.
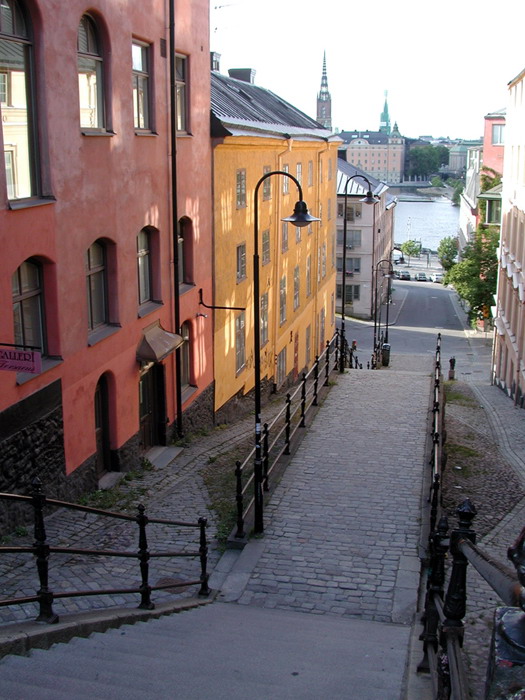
(343, 527)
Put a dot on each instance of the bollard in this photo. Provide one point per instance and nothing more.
(452, 367)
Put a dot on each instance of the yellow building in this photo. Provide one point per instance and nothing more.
(254, 132)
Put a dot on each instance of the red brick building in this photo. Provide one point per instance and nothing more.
(101, 265)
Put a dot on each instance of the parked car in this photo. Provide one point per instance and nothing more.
(404, 275)
(396, 274)
(437, 277)
(420, 277)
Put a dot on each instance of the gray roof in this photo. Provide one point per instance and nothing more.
(369, 136)
(242, 108)
(358, 185)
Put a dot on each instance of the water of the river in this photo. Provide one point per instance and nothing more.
(427, 222)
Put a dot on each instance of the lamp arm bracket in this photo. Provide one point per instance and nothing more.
(225, 308)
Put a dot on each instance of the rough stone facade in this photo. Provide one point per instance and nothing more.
(198, 416)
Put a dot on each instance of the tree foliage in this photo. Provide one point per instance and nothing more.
(475, 276)
(424, 161)
(447, 252)
(411, 248)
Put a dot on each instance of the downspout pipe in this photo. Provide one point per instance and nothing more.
(174, 214)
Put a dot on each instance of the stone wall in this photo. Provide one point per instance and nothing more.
(198, 416)
(31, 445)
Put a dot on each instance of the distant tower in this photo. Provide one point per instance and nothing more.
(324, 100)
(384, 124)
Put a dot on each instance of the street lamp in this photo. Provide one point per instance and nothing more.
(300, 218)
(368, 199)
(377, 325)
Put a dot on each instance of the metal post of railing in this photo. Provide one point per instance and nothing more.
(41, 552)
(438, 547)
(434, 499)
(203, 553)
(303, 400)
(143, 556)
(456, 599)
(316, 379)
(266, 440)
(339, 357)
(239, 499)
(288, 420)
(327, 363)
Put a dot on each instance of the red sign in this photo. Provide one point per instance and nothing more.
(14, 360)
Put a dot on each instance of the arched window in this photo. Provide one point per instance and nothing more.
(28, 305)
(96, 277)
(90, 75)
(144, 266)
(185, 251)
(16, 101)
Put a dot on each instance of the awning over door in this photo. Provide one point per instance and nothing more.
(157, 343)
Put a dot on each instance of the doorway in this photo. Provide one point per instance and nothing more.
(152, 407)
(103, 453)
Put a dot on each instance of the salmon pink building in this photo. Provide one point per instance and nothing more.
(106, 235)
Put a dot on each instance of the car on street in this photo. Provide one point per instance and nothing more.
(404, 275)
(437, 277)
(420, 277)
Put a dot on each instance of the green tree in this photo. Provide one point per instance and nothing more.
(423, 161)
(458, 189)
(443, 155)
(447, 252)
(411, 248)
(437, 181)
(475, 276)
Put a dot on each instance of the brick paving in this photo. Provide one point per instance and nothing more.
(343, 526)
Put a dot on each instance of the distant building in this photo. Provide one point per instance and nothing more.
(324, 101)
(369, 238)
(509, 313)
(378, 153)
(384, 124)
(486, 157)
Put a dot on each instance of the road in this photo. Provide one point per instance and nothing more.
(418, 312)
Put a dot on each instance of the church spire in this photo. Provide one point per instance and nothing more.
(324, 100)
(384, 124)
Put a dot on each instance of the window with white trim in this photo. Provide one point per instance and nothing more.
(90, 75)
(240, 343)
(17, 106)
(140, 59)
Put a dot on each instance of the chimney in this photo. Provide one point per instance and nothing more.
(245, 74)
(215, 61)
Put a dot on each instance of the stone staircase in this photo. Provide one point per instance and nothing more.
(223, 651)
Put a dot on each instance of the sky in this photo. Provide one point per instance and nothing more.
(444, 64)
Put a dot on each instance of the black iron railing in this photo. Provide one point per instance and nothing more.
(42, 551)
(445, 605)
(444, 628)
(277, 435)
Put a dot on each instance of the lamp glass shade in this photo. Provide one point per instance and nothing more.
(369, 199)
(301, 216)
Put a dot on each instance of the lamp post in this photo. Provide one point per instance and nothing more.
(368, 199)
(300, 217)
(377, 321)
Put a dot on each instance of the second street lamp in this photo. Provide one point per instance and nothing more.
(300, 217)
(377, 318)
(369, 199)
